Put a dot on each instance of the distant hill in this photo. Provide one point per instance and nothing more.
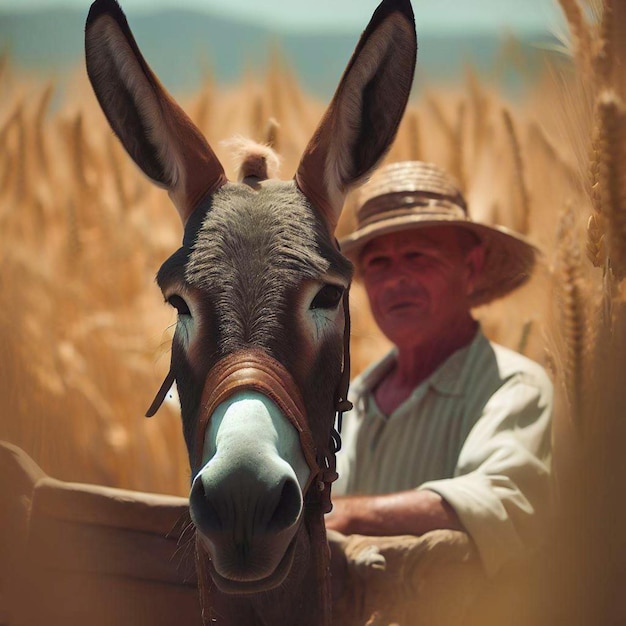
(182, 45)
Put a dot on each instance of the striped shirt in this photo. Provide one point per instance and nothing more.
(477, 432)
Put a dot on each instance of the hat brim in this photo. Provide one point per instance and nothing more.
(509, 257)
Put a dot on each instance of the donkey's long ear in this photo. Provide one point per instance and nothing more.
(363, 117)
(155, 131)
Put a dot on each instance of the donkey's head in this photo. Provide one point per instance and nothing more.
(259, 285)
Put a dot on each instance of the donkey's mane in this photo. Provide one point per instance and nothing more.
(252, 159)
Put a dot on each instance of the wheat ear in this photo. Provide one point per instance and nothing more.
(572, 314)
(611, 179)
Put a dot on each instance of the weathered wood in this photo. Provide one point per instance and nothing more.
(74, 553)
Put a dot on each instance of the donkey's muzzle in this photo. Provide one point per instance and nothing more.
(246, 518)
(246, 501)
(270, 502)
(255, 457)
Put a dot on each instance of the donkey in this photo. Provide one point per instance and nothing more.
(259, 354)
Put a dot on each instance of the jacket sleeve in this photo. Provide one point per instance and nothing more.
(501, 489)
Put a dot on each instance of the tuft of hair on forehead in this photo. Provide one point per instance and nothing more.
(253, 160)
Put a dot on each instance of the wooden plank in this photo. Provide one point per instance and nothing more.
(74, 553)
(107, 506)
(60, 545)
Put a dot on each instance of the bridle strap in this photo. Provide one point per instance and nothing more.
(256, 371)
(170, 379)
(342, 404)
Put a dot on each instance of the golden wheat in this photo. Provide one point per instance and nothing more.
(523, 225)
(579, 30)
(611, 180)
(98, 232)
(83, 328)
(572, 315)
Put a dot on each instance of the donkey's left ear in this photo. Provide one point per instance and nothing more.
(363, 117)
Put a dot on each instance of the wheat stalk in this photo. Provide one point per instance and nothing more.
(22, 187)
(538, 137)
(118, 175)
(258, 116)
(296, 102)
(414, 138)
(74, 246)
(7, 168)
(579, 29)
(274, 87)
(520, 175)
(522, 344)
(4, 64)
(436, 109)
(78, 150)
(480, 107)
(457, 167)
(41, 151)
(205, 107)
(272, 135)
(603, 59)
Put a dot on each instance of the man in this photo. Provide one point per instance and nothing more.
(448, 431)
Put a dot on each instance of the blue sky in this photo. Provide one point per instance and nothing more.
(448, 15)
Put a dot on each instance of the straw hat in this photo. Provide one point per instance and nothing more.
(412, 194)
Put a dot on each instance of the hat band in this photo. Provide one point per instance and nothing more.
(414, 205)
(396, 200)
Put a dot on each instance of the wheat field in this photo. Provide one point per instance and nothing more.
(84, 332)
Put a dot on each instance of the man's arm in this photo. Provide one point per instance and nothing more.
(500, 493)
(412, 512)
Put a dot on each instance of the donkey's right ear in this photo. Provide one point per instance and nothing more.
(155, 131)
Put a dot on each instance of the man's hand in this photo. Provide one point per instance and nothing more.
(413, 512)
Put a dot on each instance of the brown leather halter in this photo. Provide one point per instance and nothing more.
(256, 370)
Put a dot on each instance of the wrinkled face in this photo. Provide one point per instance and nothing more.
(257, 271)
(419, 281)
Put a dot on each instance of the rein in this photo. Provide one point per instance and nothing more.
(256, 370)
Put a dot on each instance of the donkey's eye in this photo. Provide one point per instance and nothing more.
(328, 297)
(179, 304)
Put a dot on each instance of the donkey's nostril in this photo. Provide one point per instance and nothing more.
(203, 513)
(288, 507)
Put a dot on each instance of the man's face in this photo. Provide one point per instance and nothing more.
(419, 282)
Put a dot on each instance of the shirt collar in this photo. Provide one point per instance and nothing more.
(448, 379)
(451, 376)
